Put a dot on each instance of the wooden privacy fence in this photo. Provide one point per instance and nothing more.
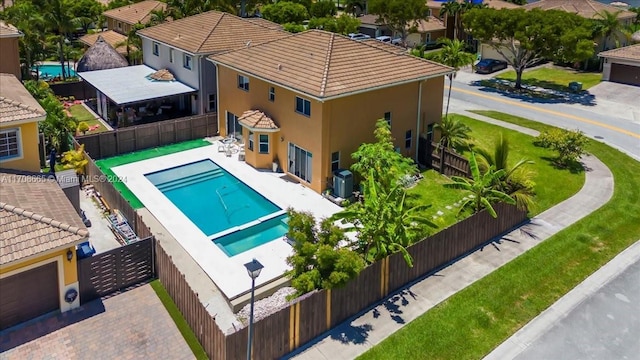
(114, 270)
(134, 138)
(454, 164)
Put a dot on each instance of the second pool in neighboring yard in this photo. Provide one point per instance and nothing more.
(221, 206)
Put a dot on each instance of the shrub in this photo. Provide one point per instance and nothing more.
(83, 127)
(323, 8)
(293, 28)
(569, 144)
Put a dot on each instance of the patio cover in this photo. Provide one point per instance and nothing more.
(132, 84)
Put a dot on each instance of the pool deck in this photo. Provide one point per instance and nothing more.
(228, 273)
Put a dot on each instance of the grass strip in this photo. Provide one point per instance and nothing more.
(553, 78)
(179, 320)
(107, 164)
(474, 321)
(81, 114)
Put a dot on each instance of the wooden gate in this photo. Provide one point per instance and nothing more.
(116, 269)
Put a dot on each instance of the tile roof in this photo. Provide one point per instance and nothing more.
(495, 4)
(211, 32)
(631, 52)
(35, 216)
(111, 37)
(431, 24)
(16, 103)
(385, 46)
(368, 19)
(8, 30)
(256, 119)
(266, 23)
(585, 8)
(135, 13)
(323, 64)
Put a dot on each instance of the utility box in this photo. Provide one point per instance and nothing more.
(343, 183)
(575, 86)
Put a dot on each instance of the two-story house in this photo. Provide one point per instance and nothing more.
(308, 100)
(120, 21)
(9, 50)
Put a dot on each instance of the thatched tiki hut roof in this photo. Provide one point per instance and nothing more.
(162, 75)
(101, 56)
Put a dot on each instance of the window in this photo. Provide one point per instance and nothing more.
(119, 25)
(10, 143)
(335, 161)
(387, 116)
(251, 140)
(430, 132)
(170, 55)
(213, 106)
(156, 49)
(264, 144)
(272, 94)
(186, 61)
(233, 126)
(243, 83)
(303, 106)
(407, 140)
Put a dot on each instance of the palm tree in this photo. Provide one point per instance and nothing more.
(481, 187)
(25, 17)
(453, 54)
(517, 180)
(451, 9)
(383, 222)
(59, 19)
(453, 133)
(158, 16)
(608, 27)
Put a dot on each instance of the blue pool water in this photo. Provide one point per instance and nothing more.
(51, 71)
(216, 201)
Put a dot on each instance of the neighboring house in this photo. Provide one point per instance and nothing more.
(370, 26)
(310, 99)
(427, 32)
(113, 38)
(588, 9)
(40, 230)
(9, 50)
(19, 117)
(622, 65)
(123, 19)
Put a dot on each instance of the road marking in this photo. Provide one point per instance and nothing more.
(553, 112)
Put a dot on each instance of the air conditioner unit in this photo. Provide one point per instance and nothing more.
(343, 183)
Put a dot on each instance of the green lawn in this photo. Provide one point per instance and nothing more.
(553, 185)
(179, 320)
(81, 114)
(106, 164)
(475, 320)
(554, 78)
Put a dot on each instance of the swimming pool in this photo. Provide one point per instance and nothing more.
(51, 71)
(232, 214)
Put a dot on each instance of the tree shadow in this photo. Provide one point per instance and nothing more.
(349, 334)
(535, 94)
(574, 167)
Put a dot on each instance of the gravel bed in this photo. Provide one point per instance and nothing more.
(267, 306)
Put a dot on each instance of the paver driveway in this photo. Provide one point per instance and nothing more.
(131, 325)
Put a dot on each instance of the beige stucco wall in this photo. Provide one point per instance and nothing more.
(10, 54)
(112, 24)
(30, 158)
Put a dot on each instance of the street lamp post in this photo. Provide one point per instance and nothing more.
(253, 268)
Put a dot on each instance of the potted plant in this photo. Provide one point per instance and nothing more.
(275, 163)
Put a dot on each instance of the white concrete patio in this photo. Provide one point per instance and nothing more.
(228, 273)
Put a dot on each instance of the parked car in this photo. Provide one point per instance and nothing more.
(359, 36)
(487, 66)
(389, 40)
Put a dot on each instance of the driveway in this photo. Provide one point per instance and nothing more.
(131, 325)
(618, 99)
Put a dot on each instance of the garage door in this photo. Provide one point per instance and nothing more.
(625, 74)
(28, 294)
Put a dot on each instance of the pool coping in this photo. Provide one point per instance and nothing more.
(228, 273)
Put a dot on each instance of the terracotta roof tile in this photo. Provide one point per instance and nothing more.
(385, 46)
(256, 119)
(368, 19)
(135, 13)
(266, 23)
(16, 103)
(211, 32)
(628, 53)
(111, 37)
(585, 8)
(35, 216)
(323, 64)
(431, 24)
(8, 30)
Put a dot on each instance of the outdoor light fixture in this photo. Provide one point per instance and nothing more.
(69, 254)
(253, 269)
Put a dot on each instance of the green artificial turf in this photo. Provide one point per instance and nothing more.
(107, 164)
(179, 320)
(475, 320)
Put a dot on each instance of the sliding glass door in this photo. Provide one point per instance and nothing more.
(300, 162)
(233, 126)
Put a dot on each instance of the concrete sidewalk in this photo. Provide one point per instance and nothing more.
(355, 337)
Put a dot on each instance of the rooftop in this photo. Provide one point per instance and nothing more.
(495, 4)
(631, 52)
(110, 36)
(16, 103)
(8, 30)
(586, 8)
(212, 32)
(256, 119)
(430, 24)
(100, 56)
(324, 65)
(135, 13)
(35, 217)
